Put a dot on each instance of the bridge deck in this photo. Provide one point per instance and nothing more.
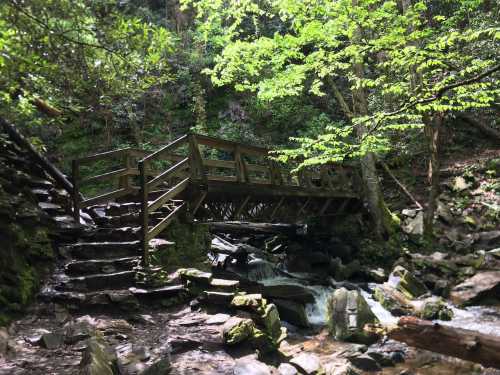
(212, 179)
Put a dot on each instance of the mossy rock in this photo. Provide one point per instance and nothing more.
(237, 330)
(407, 283)
(392, 300)
(436, 309)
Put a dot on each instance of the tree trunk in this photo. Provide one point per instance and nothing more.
(456, 342)
(432, 126)
(485, 129)
(373, 193)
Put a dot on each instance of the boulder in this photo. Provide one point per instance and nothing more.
(245, 366)
(237, 330)
(348, 312)
(307, 363)
(365, 362)
(160, 367)
(294, 293)
(415, 225)
(272, 322)
(292, 312)
(404, 281)
(435, 308)
(480, 287)
(287, 369)
(96, 359)
(131, 359)
(52, 340)
(196, 276)
(252, 302)
(4, 341)
(393, 300)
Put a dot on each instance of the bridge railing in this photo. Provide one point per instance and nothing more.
(123, 163)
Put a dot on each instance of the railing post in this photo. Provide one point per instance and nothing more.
(144, 212)
(75, 172)
(196, 169)
(275, 173)
(241, 167)
(124, 180)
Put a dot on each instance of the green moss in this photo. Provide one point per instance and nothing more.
(190, 245)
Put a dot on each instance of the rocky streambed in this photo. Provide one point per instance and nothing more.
(269, 305)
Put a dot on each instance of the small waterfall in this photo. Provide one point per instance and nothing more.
(317, 312)
(482, 319)
(384, 316)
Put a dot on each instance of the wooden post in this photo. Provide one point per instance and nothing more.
(275, 173)
(75, 172)
(197, 171)
(241, 168)
(144, 212)
(125, 180)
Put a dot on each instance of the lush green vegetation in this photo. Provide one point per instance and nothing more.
(327, 81)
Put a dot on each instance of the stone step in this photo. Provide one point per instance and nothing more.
(101, 250)
(51, 208)
(99, 281)
(95, 266)
(112, 234)
(112, 299)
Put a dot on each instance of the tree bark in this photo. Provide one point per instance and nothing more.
(456, 342)
(432, 126)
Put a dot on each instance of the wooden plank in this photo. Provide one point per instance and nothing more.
(302, 209)
(257, 168)
(161, 200)
(195, 160)
(158, 228)
(325, 206)
(198, 203)
(105, 176)
(106, 197)
(226, 145)
(103, 155)
(171, 172)
(277, 207)
(211, 163)
(167, 149)
(241, 207)
(241, 168)
(212, 177)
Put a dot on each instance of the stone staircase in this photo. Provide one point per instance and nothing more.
(101, 267)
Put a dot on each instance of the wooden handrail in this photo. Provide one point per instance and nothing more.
(166, 149)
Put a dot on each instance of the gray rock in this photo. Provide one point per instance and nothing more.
(404, 281)
(287, 369)
(307, 363)
(161, 367)
(245, 366)
(348, 312)
(294, 293)
(4, 341)
(52, 340)
(365, 362)
(482, 286)
(415, 225)
(96, 359)
(292, 312)
(218, 319)
(236, 330)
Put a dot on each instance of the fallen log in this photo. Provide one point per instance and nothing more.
(456, 342)
(258, 228)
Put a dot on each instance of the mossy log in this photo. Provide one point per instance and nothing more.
(456, 342)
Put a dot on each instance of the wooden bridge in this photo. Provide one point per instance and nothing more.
(209, 179)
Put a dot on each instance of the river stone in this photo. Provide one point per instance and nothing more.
(272, 323)
(4, 341)
(307, 363)
(287, 369)
(392, 300)
(244, 366)
(96, 359)
(161, 367)
(52, 340)
(236, 330)
(292, 312)
(407, 283)
(495, 253)
(365, 363)
(195, 275)
(435, 308)
(294, 293)
(415, 225)
(483, 285)
(253, 302)
(348, 312)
